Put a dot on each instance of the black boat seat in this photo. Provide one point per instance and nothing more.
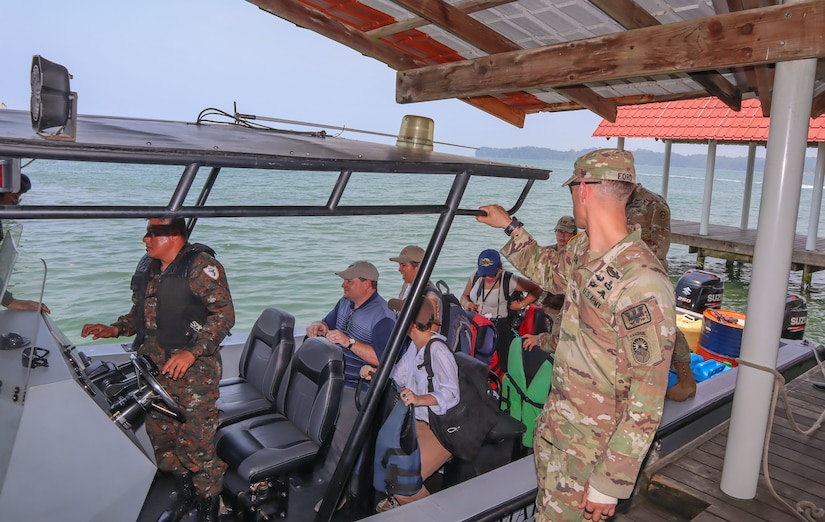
(261, 369)
(277, 444)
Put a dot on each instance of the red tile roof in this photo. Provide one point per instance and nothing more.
(697, 120)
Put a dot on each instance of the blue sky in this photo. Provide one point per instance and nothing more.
(170, 59)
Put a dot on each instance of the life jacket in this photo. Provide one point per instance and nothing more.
(397, 464)
(524, 400)
(180, 313)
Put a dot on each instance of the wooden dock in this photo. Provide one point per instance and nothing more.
(735, 244)
(685, 486)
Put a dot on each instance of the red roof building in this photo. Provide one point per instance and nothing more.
(697, 121)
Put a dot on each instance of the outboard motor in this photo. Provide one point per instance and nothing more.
(698, 290)
(796, 315)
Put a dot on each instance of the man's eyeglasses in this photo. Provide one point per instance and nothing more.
(161, 231)
(575, 183)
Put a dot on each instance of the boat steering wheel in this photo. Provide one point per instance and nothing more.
(145, 368)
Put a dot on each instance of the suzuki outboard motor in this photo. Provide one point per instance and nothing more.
(698, 290)
(796, 315)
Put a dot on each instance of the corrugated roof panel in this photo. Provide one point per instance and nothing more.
(697, 120)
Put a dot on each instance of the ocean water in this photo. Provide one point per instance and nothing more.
(290, 262)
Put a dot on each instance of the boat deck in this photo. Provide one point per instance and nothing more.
(735, 244)
(685, 486)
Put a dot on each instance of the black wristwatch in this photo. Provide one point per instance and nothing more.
(351, 343)
(514, 224)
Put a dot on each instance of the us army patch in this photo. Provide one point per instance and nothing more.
(635, 317)
(211, 271)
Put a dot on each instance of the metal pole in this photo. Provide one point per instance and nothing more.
(782, 182)
(816, 198)
(620, 143)
(709, 168)
(746, 199)
(666, 168)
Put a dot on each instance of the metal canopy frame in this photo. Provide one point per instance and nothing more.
(152, 142)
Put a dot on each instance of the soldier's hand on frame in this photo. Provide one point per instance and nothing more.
(494, 216)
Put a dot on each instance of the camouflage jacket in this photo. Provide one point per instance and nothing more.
(617, 334)
(651, 211)
(207, 280)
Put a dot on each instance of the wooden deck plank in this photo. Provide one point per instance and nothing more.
(734, 241)
(796, 468)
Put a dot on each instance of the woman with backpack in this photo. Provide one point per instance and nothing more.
(500, 296)
(410, 375)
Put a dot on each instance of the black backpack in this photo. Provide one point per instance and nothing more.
(464, 427)
(455, 324)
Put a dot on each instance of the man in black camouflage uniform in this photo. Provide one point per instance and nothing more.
(182, 311)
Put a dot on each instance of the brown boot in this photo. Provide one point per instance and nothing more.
(685, 386)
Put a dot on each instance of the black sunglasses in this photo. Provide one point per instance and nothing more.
(575, 183)
(161, 231)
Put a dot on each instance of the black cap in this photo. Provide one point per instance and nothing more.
(25, 184)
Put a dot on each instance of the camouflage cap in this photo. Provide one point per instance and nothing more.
(425, 314)
(409, 254)
(567, 224)
(362, 269)
(604, 164)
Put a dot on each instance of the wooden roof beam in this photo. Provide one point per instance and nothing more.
(760, 76)
(474, 32)
(758, 36)
(630, 15)
(323, 24)
(471, 6)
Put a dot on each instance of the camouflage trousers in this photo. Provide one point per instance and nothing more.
(189, 446)
(561, 481)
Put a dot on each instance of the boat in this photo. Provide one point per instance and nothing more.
(72, 443)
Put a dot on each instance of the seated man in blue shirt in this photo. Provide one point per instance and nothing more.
(361, 323)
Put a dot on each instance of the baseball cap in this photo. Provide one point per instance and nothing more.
(362, 269)
(488, 263)
(604, 164)
(425, 314)
(25, 184)
(567, 224)
(409, 254)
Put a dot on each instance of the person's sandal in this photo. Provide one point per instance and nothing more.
(386, 505)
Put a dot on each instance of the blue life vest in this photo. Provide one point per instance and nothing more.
(397, 467)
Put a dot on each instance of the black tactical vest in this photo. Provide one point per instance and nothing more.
(180, 313)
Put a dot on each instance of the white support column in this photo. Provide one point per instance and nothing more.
(709, 170)
(666, 168)
(620, 143)
(816, 198)
(782, 181)
(746, 199)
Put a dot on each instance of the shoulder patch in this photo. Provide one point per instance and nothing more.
(640, 349)
(637, 316)
(211, 271)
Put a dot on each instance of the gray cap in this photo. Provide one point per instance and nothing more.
(409, 254)
(362, 269)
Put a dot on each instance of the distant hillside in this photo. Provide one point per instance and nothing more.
(643, 157)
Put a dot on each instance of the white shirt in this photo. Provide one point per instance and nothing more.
(410, 373)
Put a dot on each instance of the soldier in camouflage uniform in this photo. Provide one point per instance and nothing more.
(613, 355)
(651, 211)
(182, 311)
